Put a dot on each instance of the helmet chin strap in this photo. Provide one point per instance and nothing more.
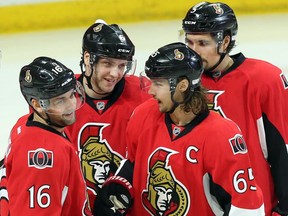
(210, 70)
(176, 104)
(88, 78)
(48, 121)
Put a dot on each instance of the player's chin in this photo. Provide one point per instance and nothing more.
(69, 118)
(162, 108)
(70, 122)
(109, 88)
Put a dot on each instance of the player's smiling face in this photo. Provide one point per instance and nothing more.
(62, 108)
(160, 90)
(107, 73)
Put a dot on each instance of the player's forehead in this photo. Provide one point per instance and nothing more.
(113, 60)
(65, 95)
(199, 36)
(159, 80)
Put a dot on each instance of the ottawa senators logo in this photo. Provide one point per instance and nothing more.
(98, 28)
(238, 145)
(98, 161)
(178, 55)
(40, 158)
(28, 77)
(218, 9)
(213, 102)
(164, 195)
(284, 80)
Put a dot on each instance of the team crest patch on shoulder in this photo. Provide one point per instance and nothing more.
(238, 145)
(40, 158)
(284, 80)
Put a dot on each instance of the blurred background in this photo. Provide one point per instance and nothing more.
(32, 28)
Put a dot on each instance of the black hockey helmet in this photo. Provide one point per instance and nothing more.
(110, 41)
(45, 78)
(173, 61)
(211, 18)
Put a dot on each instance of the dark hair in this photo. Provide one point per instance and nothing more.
(196, 101)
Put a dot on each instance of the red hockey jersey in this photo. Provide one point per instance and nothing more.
(41, 173)
(99, 131)
(254, 94)
(200, 169)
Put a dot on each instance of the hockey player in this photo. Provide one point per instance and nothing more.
(187, 160)
(112, 92)
(253, 93)
(41, 173)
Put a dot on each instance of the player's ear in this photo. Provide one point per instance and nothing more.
(87, 57)
(225, 43)
(183, 85)
(36, 105)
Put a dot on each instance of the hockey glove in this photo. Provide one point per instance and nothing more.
(114, 198)
(278, 212)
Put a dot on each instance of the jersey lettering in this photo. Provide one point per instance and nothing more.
(241, 182)
(189, 153)
(40, 197)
